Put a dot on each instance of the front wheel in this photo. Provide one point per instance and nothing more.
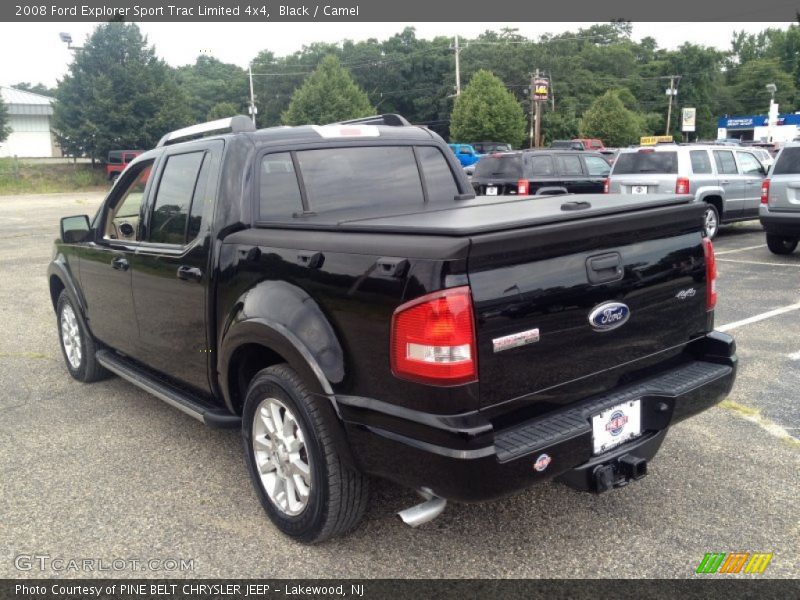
(301, 481)
(780, 244)
(77, 344)
(711, 221)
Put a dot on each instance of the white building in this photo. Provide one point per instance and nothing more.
(785, 128)
(29, 117)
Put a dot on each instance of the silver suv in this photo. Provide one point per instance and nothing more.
(727, 179)
(780, 201)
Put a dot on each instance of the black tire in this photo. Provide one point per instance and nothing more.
(85, 368)
(337, 496)
(711, 216)
(781, 244)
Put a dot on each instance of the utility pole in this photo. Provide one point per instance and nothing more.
(253, 109)
(533, 110)
(458, 67)
(671, 92)
(537, 135)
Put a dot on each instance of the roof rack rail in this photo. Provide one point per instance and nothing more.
(391, 119)
(237, 124)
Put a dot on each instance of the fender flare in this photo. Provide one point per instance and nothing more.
(286, 320)
(706, 191)
(60, 269)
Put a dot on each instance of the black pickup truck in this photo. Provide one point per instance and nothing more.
(340, 295)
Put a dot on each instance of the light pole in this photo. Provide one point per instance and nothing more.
(67, 39)
(771, 88)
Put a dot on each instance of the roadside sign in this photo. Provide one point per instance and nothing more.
(688, 118)
(541, 89)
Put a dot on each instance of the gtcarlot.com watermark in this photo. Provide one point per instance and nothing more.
(61, 564)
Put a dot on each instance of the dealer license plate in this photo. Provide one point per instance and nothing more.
(491, 190)
(639, 189)
(616, 425)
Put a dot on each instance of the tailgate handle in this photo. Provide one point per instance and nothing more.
(312, 260)
(604, 268)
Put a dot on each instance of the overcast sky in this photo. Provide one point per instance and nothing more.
(33, 52)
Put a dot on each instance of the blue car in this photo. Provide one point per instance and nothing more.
(465, 153)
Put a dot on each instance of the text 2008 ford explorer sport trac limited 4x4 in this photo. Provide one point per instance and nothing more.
(340, 295)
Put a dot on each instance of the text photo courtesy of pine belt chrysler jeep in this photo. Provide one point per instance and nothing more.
(727, 180)
(339, 295)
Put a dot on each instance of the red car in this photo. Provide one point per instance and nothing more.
(118, 160)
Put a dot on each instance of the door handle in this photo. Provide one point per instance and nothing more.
(120, 263)
(312, 260)
(189, 273)
(604, 268)
(724, 181)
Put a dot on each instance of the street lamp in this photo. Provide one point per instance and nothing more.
(67, 39)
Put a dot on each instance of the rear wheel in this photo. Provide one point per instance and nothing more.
(301, 481)
(711, 221)
(781, 244)
(77, 344)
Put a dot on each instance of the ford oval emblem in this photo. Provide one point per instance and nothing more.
(609, 315)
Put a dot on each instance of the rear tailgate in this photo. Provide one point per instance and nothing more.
(539, 286)
(784, 191)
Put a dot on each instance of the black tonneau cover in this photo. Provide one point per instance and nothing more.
(483, 214)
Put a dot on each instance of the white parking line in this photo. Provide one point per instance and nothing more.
(761, 317)
(794, 356)
(740, 249)
(757, 262)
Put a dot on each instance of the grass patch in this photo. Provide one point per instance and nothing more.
(18, 177)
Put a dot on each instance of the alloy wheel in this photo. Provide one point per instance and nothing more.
(71, 336)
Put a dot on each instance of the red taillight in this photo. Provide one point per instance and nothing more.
(682, 185)
(606, 185)
(765, 191)
(522, 187)
(433, 339)
(711, 275)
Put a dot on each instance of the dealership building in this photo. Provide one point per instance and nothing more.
(786, 128)
(29, 117)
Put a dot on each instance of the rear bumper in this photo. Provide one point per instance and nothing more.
(464, 458)
(780, 223)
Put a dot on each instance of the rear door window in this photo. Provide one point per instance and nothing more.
(439, 181)
(725, 163)
(569, 164)
(788, 162)
(701, 163)
(640, 162)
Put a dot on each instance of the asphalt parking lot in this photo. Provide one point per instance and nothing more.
(105, 471)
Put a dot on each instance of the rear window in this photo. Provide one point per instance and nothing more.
(788, 162)
(338, 178)
(630, 163)
(506, 167)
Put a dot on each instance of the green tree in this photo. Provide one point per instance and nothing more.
(222, 110)
(117, 94)
(485, 110)
(209, 82)
(5, 130)
(328, 95)
(609, 120)
(38, 88)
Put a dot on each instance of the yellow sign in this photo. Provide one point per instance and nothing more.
(652, 140)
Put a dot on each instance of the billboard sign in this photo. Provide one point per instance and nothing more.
(688, 118)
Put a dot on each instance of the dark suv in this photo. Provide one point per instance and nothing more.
(541, 172)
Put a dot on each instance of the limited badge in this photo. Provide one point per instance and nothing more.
(542, 462)
(515, 340)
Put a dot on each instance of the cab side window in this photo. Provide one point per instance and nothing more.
(177, 188)
(749, 163)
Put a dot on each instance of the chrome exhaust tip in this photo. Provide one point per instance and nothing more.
(424, 512)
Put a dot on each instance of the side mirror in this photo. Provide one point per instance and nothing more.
(75, 229)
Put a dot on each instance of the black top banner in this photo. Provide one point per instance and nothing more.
(394, 11)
